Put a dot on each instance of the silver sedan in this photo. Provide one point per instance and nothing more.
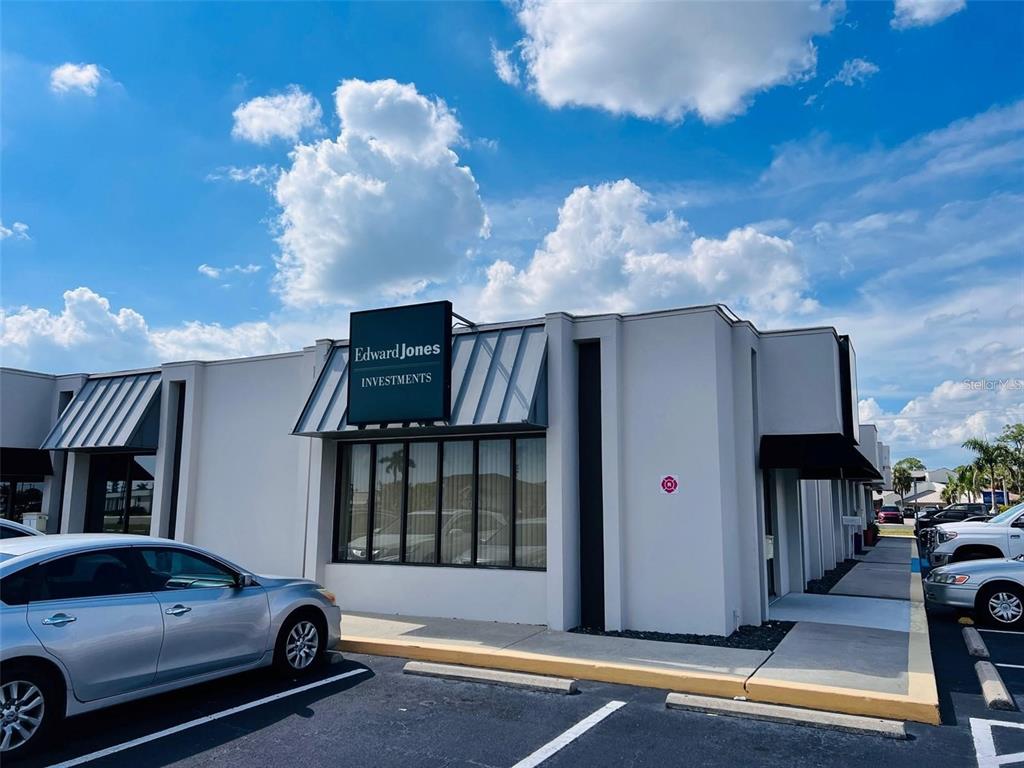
(92, 620)
(993, 588)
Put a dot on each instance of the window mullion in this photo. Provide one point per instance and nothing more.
(438, 502)
(476, 501)
(371, 502)
(403, 511)
(512, 508)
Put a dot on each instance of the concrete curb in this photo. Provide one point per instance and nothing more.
(993, 688)
(542, 683)
(891, 729)
(975, 645)
(711, 684)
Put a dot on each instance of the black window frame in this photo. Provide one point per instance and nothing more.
(147, 571)
(339, 547)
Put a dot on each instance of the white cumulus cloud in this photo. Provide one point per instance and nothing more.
(663, 60)
(609, 252)
(279, 116)
(383, 210)
(75, 77)
(88, 335)
(18, 230)
(923, 13)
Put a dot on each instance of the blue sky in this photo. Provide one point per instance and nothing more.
(205, 180)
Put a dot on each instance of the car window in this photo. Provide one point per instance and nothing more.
(170, 568)
(12, 533)
(16, 588)
(88, 574)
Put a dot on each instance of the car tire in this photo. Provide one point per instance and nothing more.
(301, 643)
(1002, 606)
(29, 698)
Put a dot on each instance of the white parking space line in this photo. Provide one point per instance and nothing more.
(984, 744)
(569, 736)
(206, 719)
(1010, 666)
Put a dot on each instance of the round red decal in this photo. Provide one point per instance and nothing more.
(669, 484)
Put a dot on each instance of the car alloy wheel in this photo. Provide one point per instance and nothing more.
(22, 707)
(1005, 607)
(302, 644)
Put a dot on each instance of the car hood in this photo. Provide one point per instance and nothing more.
(971, 567)
(963, 527)
(272, 582)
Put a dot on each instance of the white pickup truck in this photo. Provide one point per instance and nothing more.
(999, 536)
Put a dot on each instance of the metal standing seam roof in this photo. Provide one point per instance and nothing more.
(106, 413)
(498, 377)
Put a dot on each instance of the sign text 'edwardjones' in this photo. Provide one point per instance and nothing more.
(400, 365)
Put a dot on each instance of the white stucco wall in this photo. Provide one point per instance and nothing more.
(463, 593)
(27, 401)
(245, 503)
(800, 383)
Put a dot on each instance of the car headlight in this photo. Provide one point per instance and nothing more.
(945, 536)
(949, 578)
(328, 595)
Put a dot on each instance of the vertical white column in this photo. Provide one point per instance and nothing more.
(563, 570)
(76, 493)
(611, 468)
(316, 477)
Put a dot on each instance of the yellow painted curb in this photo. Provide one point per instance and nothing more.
(706, 683)
(920, 703)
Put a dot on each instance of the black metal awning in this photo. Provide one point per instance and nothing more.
(817, 457)
(25, 463)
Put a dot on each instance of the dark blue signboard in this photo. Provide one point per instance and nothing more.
(399, 363)
(986, 497)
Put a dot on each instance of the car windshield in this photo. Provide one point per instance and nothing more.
(1005, 517)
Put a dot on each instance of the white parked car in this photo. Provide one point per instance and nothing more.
(1001, 537)
(12, 530)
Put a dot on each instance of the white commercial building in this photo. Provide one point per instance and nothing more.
(672, 471)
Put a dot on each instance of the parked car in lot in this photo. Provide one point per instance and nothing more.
(889, 514)
(93, 620)
(991, 537)
(994, 589)
(954, 513)
(12, 530)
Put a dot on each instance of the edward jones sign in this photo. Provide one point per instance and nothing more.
(400, 364)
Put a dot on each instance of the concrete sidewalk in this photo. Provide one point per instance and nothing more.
(851, 666)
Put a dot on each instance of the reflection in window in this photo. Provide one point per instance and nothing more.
(531, 503)
(421, 517)
(355, 501)
(120, 493)
(387, 501)
(495, 500)
(20, 497)
(457, 503)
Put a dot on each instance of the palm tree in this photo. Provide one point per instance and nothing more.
(1012, 438)
(951, 493)
(901, 481)
(967, 480)
(989, 459)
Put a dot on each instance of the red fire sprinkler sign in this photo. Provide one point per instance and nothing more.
(669, 484)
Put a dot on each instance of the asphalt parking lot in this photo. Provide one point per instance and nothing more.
(377, 716)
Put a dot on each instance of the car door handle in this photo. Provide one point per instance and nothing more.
(177, 610)
(59, 620)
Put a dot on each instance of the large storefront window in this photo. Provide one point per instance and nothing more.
(449, 502)
(120, 493)
(19, 498)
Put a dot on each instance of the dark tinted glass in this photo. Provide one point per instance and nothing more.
(18, 588)
(11, 533)
(170, 568)
(89, 574)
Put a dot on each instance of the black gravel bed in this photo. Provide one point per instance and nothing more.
(762, 638)
(824, 585)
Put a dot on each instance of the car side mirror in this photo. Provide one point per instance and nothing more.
(244, 580)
